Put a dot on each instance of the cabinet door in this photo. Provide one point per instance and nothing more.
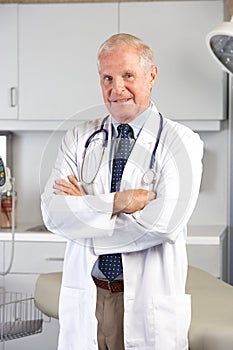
(31, 259)
(58, 46)
(8, 61)
(189, 84)
(35, 257)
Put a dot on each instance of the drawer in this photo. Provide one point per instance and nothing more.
(207, 248)
(206, 257)
(22, 283)
(35, 257)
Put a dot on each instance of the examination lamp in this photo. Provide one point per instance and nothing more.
(220, 44)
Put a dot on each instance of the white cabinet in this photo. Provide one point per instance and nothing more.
(58, 46)
(207, 248)
(49, 66)
(189, 84)
(8, 62)
(33, 255)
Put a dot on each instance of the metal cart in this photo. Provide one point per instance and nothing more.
(19, 316)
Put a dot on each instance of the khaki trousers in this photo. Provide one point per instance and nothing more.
(109, 313)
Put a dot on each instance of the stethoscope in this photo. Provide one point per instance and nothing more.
(148, 177)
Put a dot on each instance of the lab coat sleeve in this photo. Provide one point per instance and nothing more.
(165, 218)
(75, 217)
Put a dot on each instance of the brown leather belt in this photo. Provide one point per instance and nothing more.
(113, 286)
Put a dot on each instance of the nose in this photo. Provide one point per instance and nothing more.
(118, 85)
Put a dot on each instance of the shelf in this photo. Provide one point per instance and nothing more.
(206, 235)
(35, 233)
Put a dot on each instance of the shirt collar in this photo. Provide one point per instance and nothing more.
(137, 123)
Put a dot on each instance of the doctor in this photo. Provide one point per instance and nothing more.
(125, 265)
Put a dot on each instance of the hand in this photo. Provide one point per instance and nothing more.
(131, 201)
(71, 188)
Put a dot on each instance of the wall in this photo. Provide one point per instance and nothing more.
(212, 205)
(29, 148)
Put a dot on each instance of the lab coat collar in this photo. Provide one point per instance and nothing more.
(137, 123)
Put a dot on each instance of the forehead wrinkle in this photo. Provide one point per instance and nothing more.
(123, 56)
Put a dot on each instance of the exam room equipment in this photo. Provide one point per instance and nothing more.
(220, 44)
(148, 177)
(18, 315)
(7, 184)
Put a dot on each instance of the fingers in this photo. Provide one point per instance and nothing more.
(61, 193)
(138, 200)
(64, 188)
(73, 180)
(68, 188)
(59, 184)
(151, 196)
(130, 201)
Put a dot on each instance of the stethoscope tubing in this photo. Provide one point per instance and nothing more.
(152, 161)
(90, 138)
(105, 143)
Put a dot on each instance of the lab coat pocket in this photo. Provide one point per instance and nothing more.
(172, 321)
(71, 316)
(139, 324)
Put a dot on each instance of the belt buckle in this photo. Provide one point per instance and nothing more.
(110, 287)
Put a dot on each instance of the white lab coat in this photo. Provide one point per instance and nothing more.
(152, 242)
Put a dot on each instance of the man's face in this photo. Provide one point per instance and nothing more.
(125, 84)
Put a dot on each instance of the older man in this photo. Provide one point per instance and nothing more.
(122, 191)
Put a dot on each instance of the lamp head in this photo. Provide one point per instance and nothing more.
(220, 44)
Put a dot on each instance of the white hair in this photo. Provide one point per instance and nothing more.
(122, 40)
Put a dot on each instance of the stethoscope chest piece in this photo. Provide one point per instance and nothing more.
(149, 177)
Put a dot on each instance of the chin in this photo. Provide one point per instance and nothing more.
(124, 112)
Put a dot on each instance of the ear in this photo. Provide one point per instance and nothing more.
(153, 74)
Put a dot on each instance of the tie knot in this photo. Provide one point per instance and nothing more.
(125, 131)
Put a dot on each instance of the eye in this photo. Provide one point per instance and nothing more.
(129, 76)
(107, 78)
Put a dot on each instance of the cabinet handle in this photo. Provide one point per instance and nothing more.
(54, 259)
(13, 97)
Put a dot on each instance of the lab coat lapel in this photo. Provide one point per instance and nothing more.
(140, 157)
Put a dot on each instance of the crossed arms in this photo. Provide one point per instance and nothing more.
(129, 201)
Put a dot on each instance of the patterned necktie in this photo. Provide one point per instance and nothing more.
(111, 264)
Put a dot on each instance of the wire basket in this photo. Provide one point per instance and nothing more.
(18, 316)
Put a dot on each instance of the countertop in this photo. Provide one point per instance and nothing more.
(203, 234)
(34, 233)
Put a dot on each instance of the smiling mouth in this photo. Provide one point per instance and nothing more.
(121, 100)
